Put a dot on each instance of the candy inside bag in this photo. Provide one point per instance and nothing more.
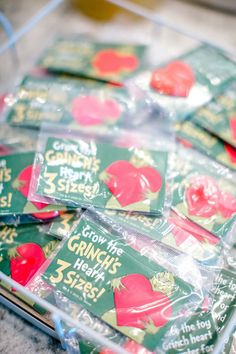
(73, 339)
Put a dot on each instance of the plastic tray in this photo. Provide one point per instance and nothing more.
(33, 33)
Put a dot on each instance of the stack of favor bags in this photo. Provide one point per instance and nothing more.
(118, 195)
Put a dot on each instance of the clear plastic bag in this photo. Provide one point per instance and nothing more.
(131, 274)
(83, 170)
(204, 192)
(84, 103)
(182, 85)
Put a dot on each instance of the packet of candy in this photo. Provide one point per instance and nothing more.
(204, 192)
(192, 135)
(186, 83)
(70, 102)
(219, 115)
(121, 286)
(83, 170)
(23, 250)
(15, 176)
(86, 58)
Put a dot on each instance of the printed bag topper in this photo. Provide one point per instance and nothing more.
(83, 173)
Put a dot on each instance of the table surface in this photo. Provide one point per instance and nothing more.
(16, 335)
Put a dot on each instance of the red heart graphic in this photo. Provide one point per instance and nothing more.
(136, 303)
(227, 204)
(232, 123)
(231, 151)
(109, 61)
(202, 196)
(176, 79)
(25, 261)
(130, 184)
(90, 110)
